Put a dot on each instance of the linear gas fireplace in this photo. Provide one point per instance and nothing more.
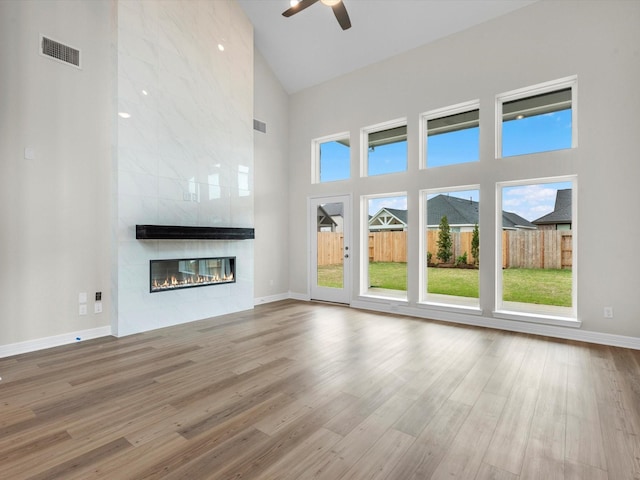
(191, 272)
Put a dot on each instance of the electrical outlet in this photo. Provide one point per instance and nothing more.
(608, 312)
(98, 296)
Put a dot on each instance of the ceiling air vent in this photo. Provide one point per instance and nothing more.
(59, 51)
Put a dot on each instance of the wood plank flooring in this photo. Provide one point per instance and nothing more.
(296, 390)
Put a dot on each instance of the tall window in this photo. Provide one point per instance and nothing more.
(385, 249)
(537, 247)
(386, 148)
(451, 135)
(537, 119)
(451, 246)
(331, 158)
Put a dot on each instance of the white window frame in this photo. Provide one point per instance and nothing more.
(439, 113)
(500, 311)
(364, 144)
(546, 87)
(315, 155)
(422, 257)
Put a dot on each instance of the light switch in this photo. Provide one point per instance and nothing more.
(82, 297)
(29, 153)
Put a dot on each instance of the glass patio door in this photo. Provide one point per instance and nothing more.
(330, 228)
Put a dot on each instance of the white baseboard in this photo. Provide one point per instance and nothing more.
(282, 296)
(271, 298)
(426, 313)
(305, 297)
(503, 324)
(54, 341)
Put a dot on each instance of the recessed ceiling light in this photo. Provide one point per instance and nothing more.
(124, 114)
(144, 92)
(221, 47)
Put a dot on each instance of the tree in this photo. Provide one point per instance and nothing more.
(475, 245)
(444, 240)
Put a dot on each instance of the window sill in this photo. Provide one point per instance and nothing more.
(386, 294)
(449, 307)
(538, 318)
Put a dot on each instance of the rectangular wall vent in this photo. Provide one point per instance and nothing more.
(259, 126)
(59, 51)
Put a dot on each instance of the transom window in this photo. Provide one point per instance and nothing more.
(386, 150)
(537, 119)
(331, 158)
(451, 135)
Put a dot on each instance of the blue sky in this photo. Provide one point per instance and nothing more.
(551, 131)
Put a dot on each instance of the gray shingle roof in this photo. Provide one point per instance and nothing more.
(334, 209)
(561, 212)
(459, 212)
(465, 212)
(400, 214)
(513, 220)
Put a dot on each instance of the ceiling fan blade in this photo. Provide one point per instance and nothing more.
(298, 7)
(342, 16)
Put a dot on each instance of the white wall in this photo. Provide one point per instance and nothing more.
(54, 209)
(597, 41)
(272, 185)
(182, 152)
(68, 217)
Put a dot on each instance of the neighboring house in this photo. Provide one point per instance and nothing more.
(325, 222)
(560, 218)
(461, 214)
(388, 220)
(513, 221)
(335, 211)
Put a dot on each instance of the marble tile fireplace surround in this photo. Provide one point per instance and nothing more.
(183, 155)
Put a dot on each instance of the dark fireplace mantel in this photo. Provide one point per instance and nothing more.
(174, 232)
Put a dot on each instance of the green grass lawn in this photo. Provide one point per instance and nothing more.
(453, 281)
(543, 287)
(389, 275)
(330, 276)
(539, 286)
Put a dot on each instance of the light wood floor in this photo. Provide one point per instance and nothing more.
(296, 390)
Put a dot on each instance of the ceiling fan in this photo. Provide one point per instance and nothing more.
(337, 6)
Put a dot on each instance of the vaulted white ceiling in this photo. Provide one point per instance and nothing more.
(310, 47)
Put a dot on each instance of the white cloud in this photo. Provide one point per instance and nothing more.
(531, 201)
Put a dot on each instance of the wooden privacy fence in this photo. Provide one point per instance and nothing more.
(460, 243)
(330, 248)
(388, 247)
(537, 249)
(520, 248)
